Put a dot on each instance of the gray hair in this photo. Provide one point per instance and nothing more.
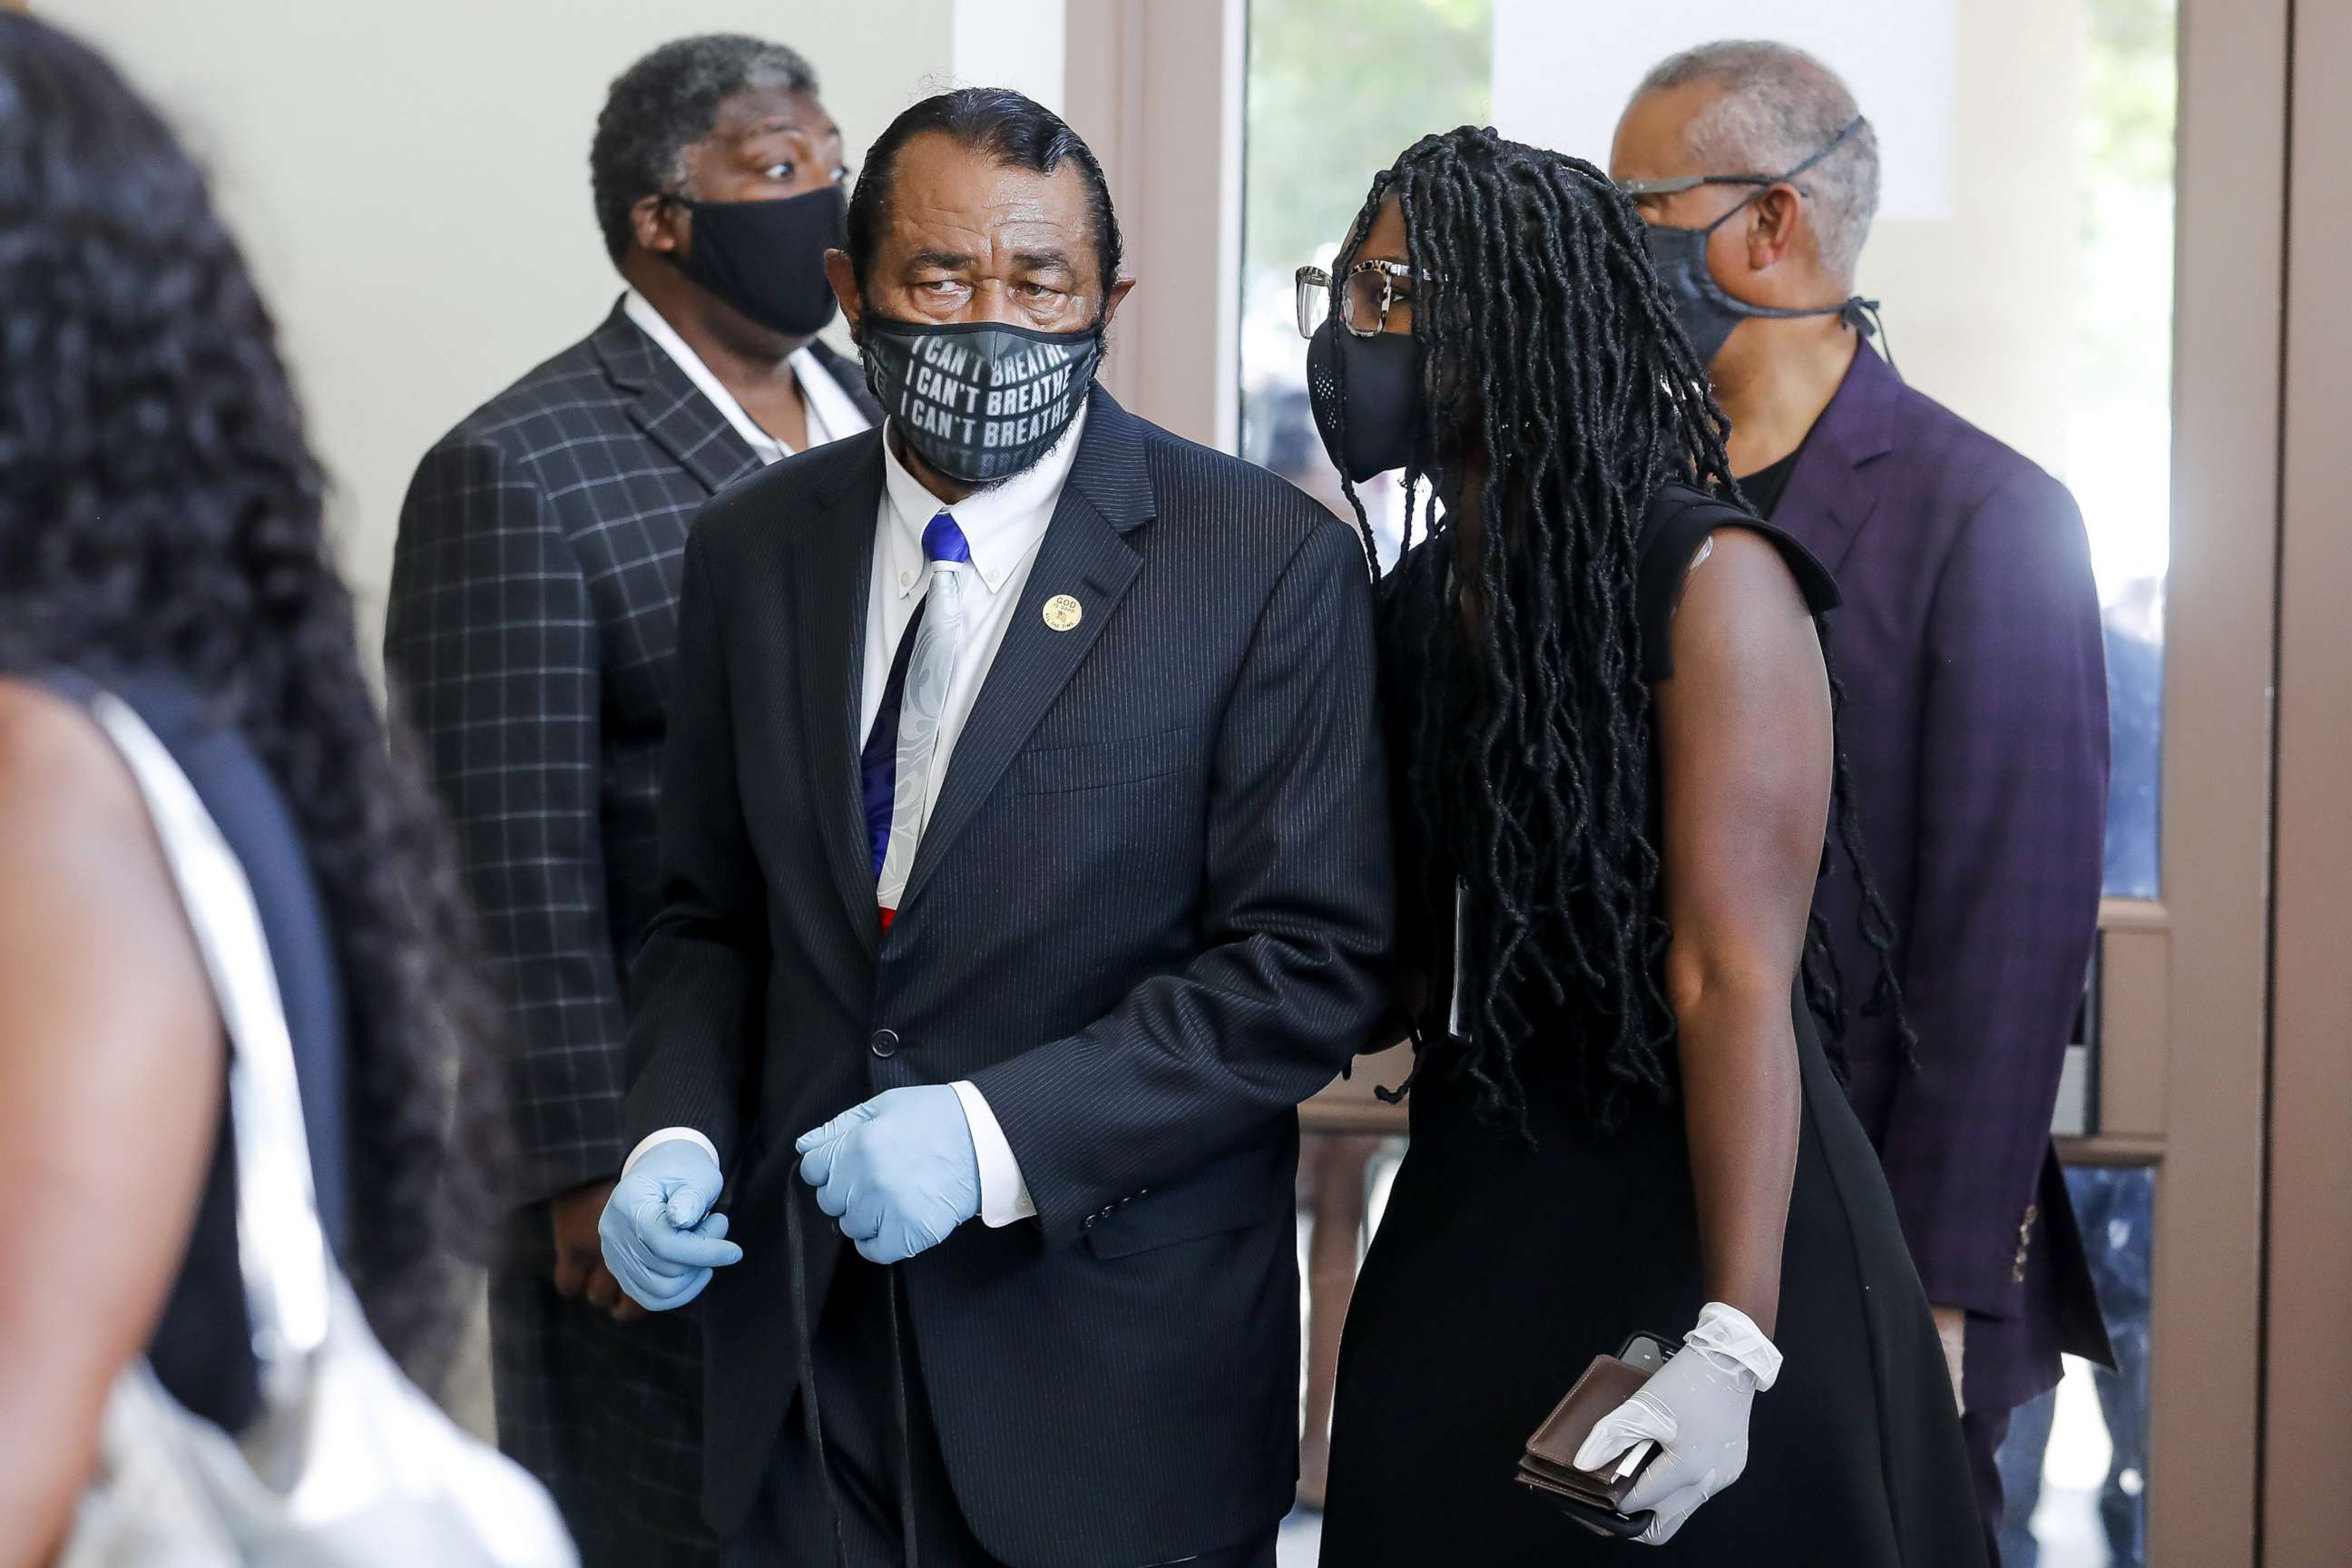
(663, 104)
(1778, 106)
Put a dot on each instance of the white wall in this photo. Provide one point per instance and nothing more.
(1018, 44)
(1982, 306)
(411, 182)
(1563, 72)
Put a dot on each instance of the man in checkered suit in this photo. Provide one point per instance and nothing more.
(529, 638)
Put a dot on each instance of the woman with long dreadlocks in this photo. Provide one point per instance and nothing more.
(1614, 725)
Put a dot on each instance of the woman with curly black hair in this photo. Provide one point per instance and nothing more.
(1614, 731)
(160, 540)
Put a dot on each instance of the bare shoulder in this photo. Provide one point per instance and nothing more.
(1739, 594)
(74, 829)
(85, 898)
(60, 776)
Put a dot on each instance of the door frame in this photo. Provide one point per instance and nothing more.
(2306, 1451)
(2228, 257)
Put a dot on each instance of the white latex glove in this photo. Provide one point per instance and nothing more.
(1696, 1409)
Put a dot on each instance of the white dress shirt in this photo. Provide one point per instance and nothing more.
(831, 413)
(1003, 528)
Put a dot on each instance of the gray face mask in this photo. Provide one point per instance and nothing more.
(978, 401)
(1707, 312)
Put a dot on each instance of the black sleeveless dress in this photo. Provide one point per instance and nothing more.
(202, 1351)
(1500, 1271)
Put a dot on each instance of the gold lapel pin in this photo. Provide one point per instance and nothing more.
(1063, 613)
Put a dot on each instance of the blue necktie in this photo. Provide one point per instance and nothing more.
(943, 543)
(877, 766)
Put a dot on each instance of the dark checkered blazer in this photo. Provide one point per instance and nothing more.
(1976, 721)
(1151, 913)
(532, 616)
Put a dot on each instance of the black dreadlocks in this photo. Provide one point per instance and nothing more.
(1547, 346)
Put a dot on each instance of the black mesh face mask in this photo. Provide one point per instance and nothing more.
(1383, 398)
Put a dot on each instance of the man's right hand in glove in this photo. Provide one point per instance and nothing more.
(660, 1239)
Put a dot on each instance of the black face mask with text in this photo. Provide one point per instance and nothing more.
(978, 401)
(767, 258)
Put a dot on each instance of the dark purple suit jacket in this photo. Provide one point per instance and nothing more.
(1976, 725)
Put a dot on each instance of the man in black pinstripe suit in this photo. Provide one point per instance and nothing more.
(1144, 910)
(531, 623)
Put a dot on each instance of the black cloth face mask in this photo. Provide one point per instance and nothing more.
(1382, 396)
(1705, 310)
(767, 258)
(978, 401)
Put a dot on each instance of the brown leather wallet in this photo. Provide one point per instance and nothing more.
(1550, 1463)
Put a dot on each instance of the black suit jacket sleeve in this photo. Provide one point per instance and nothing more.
(1295, 912)
(490, 645)
(698, 976)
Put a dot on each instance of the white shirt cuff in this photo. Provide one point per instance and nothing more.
(1003, 1195)
(664, 1136)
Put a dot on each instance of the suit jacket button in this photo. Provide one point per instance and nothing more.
(1088, 1223)
(885, 1043)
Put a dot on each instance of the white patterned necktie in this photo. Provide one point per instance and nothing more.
(931, 670)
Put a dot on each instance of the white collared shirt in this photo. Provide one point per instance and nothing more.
(1003, 528)
(830, 412)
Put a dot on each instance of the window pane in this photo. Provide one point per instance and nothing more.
(2119, 447)
(1337, 88)
(2074, 1468)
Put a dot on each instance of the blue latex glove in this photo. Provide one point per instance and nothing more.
(898, 1172)
(661, 1240)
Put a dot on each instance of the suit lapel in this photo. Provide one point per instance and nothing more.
(1833, 492)
(1084, 556)
(669, 408)
(832, 569)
